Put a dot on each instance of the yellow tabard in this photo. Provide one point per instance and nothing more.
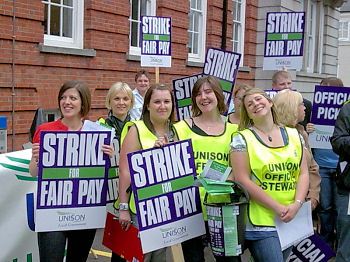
(207, 147)
(146, 139)
(275, 170)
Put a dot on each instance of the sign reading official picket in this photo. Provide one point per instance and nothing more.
(284, 40)
(168, 206)
(326, 105)
(155, 41)
(72, 180)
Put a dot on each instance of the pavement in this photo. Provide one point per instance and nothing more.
(100, 253)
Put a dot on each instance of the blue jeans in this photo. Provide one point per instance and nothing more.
(267, 248)
(327, 208)
(343, 226)
(52, 245)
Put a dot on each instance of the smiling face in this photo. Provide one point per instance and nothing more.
(160, 105)
(120, 104)
(257, 106)
(70, 104)
(142, 83)
(206, 99)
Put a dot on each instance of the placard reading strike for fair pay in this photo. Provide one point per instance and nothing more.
(155, 41)
(168, 206)
(72, 180)
(284, 40)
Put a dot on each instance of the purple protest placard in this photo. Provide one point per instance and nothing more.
(313, 249)
(182, 92)
(327, 103)
(155, 41)
(223, 65)
(168, 206)
(284, 40)
(72, 180)
(113, 177)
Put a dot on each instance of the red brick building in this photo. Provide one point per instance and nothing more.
(44, 43)
(34, 64)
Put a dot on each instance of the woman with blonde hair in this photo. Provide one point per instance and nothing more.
(260, 153)
(291, 111)
(119, 101)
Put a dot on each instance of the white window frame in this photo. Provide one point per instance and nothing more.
(77, 39)
(313, 46)
(202, 29)
(241, 28)
(150, 11)
(342, 30)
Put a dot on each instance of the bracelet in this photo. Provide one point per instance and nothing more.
(300, 202)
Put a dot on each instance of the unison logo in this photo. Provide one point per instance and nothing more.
(175, 231)
(70, 217)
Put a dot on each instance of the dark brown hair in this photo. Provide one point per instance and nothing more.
(145, 112)
(84, 93)
(215, 85)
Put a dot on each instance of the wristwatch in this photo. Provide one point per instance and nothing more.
(123, 206)
(300, 202)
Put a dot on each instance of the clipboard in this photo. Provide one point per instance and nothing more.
(126, 244)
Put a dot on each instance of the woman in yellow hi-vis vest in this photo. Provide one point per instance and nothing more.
(154, 130)
(119, 101)
(211, 137)
(268, 161)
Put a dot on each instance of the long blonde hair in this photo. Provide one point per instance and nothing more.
(245, 120)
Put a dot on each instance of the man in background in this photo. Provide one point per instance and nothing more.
(142, 79)
(282, 80)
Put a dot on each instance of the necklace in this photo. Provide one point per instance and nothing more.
(268, 135)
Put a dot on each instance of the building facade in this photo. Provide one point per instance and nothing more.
(320, 42)
(45, 43)
(344, 44)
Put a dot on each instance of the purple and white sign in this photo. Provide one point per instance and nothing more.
(327, 103)
(284, 40)
(113, 178)
(223, 65)
(182, 92)
(155, 41)
(72, 180)
(311, 249)
(168, 206)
